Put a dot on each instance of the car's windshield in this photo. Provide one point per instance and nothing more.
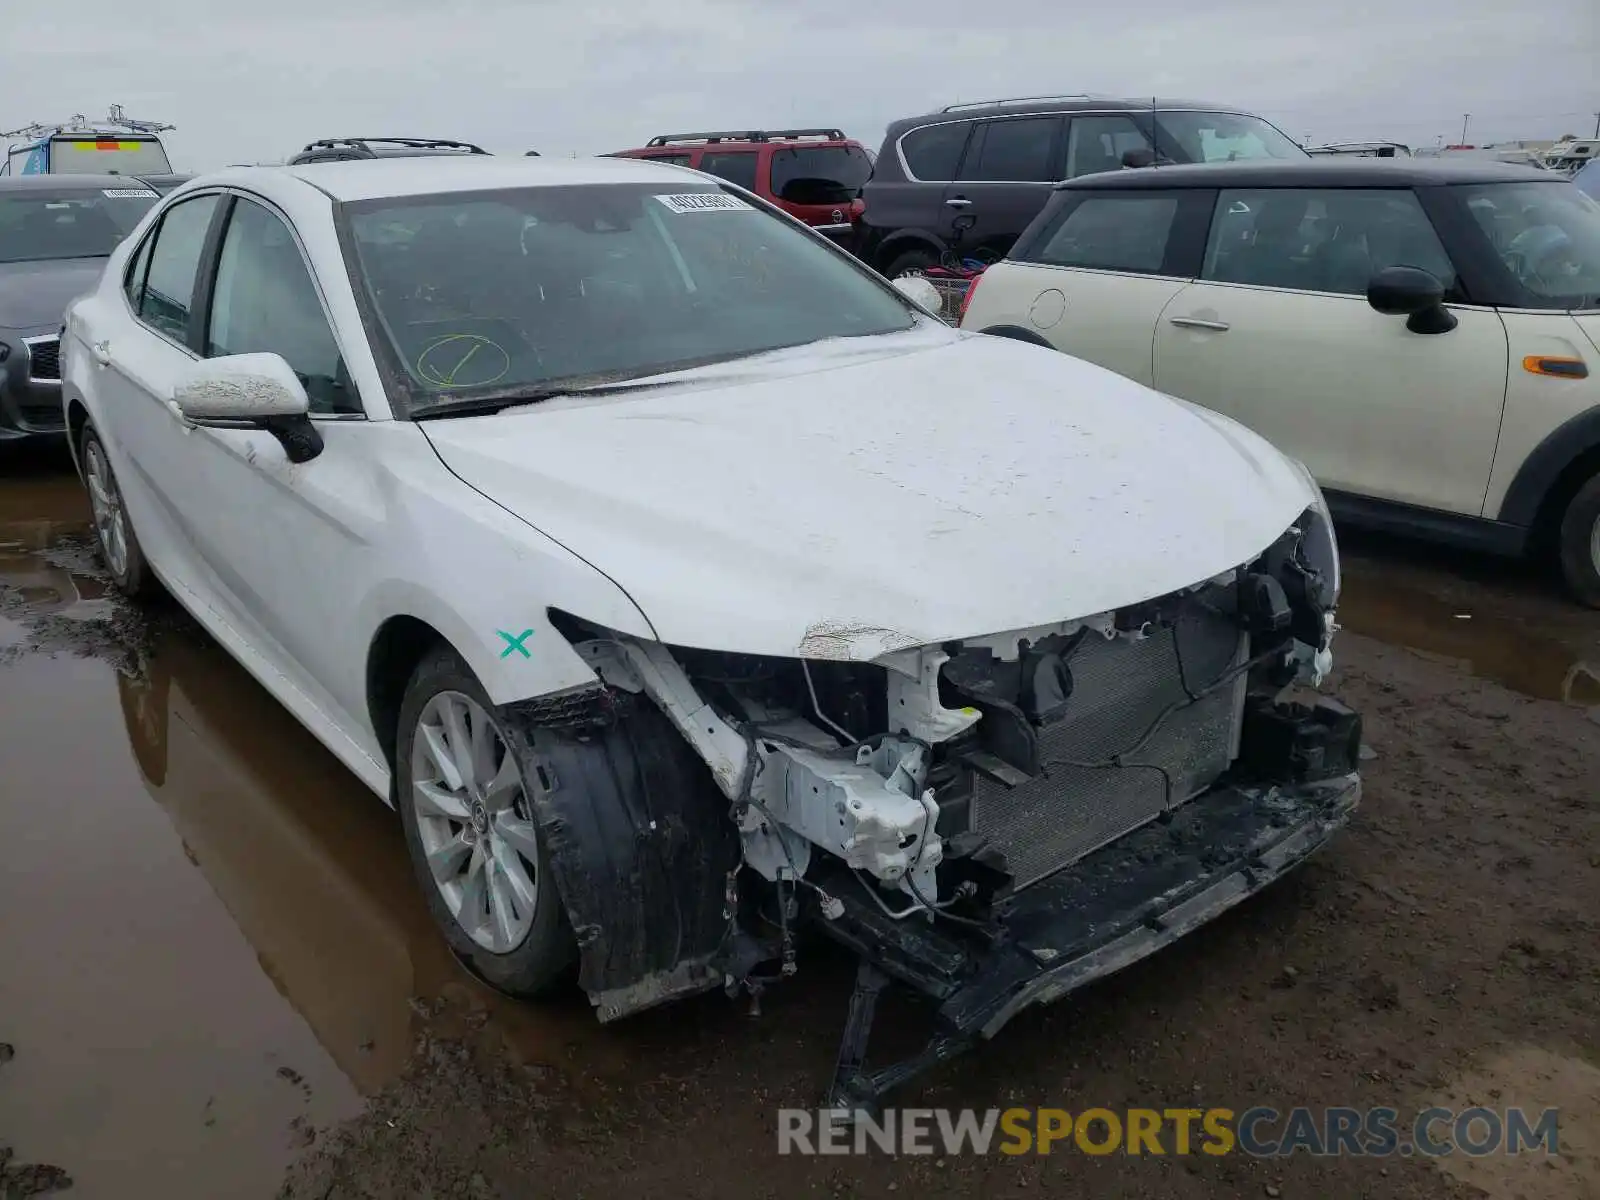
(42, 223)
(1547, 235)
(1587, 180)
(484, 293)
(1220, 137)
(819, 174)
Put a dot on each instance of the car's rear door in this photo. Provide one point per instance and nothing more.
(1094, 275)
(1004, 182)
(140, 344)
(1277, 333)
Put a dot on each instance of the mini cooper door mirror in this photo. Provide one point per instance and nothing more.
(250, 391)
(1413, 293)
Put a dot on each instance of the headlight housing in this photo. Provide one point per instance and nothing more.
(1320, 543)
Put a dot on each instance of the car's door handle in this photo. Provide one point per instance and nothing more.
(1197, 323)
(102, 353)
(958, 202)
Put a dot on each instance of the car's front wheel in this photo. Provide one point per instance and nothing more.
(1580, 543)
(911, 262)
(470, 827)
(119, 545)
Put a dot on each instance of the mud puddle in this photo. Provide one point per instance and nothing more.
(1513, 640)
(214, 945)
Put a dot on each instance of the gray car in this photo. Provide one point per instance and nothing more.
(55, 234)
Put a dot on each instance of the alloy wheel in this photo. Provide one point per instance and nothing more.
(105, 502)
(474, 821)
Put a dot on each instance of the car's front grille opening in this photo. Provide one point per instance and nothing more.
(44, 360)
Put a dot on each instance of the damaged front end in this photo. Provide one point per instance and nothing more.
(992, 821)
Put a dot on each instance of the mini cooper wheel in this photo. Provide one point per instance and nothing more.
(1580, 543)
(119, 545)
(470, 828)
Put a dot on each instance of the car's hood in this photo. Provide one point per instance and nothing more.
(1590, 324)
(35, 295)
(853, 500)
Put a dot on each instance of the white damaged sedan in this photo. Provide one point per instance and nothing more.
(682, 583)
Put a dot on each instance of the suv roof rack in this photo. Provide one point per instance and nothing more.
(747, 135)
(1023, 100)
(362, 146)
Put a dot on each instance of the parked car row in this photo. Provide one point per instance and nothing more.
(56, 232)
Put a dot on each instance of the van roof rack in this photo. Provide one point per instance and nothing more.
(116, 123)
(1023, 100)
(747, 135)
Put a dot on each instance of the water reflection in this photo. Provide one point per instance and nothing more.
(309, 864)
(1506, 651)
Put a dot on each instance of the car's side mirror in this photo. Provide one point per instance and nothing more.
(250, 391)
(1414, 294)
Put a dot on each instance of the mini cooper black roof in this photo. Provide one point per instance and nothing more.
(1315, 172)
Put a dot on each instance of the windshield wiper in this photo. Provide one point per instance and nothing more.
(482, 405)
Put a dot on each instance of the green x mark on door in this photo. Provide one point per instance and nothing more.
(515, 643)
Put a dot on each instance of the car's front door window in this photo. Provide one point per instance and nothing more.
(1321, 239)
(166, 297)
(265, 301)
(1097, 143)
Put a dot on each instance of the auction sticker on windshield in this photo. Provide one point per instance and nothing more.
(692, 202)
(128, 193)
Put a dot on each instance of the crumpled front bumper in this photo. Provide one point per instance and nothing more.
(1101, 914)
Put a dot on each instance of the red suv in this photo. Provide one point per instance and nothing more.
(814, 174)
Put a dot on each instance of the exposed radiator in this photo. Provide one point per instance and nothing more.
(1119, 688)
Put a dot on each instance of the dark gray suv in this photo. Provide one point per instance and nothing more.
(969, 178)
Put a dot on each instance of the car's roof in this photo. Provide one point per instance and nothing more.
(1330, 171)
(374, 178)
(1051, 104)
(67, 183)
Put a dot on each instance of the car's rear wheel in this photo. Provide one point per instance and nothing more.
(1580, 543)
(119, 545)
(474, 842)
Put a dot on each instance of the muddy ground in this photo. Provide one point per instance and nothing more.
(217, 979)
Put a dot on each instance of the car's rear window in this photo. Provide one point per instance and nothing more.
(819, 174)
(489, 292)
(99, 156)
(41, 224)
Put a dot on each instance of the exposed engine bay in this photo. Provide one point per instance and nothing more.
(936, 806)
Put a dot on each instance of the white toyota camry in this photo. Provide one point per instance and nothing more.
(681, 582)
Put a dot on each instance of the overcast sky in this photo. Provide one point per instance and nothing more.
(248, 82)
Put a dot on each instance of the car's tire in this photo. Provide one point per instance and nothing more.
(1579, 543)
(910, 262)
(113, 528)
(476, 872)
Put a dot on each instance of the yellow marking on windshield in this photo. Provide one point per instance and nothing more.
(442, 362)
